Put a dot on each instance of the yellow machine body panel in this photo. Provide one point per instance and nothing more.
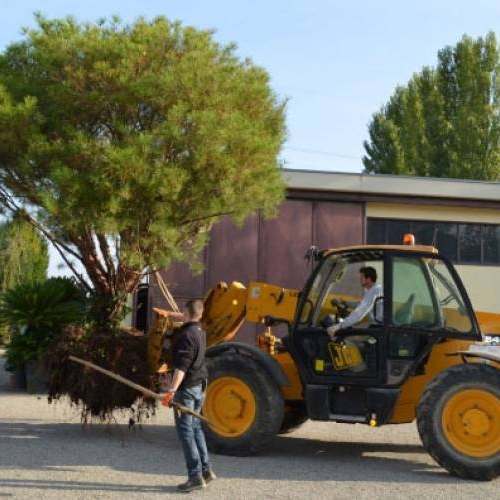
(163, 321)
(270, 300)
(293, 391)
(489, 322)
(224, 311)
(412, 390)
(227, 306)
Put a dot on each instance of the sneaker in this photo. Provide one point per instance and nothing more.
(209, 475)
(196, 483)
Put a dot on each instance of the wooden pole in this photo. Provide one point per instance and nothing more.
(147, 392)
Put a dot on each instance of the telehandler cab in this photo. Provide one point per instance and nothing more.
(422, 356)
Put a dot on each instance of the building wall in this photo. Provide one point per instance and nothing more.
(481, 281)
(433, 212)
(270, 250)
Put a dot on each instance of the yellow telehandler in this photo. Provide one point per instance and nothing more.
(421, 355)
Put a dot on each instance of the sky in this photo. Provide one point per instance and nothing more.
(337, 62)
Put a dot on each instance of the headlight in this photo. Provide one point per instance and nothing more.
(492, 339)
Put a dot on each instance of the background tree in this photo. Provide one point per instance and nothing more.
(24, 257)
(446, 121)
(125, 143)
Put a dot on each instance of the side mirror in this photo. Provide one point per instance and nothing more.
(313, 254)
(378, 311)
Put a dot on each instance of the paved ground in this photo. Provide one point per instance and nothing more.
(45, 453)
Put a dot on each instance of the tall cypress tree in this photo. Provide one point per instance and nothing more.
(24, 256)
(446, 121)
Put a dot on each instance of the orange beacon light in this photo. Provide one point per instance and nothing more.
(409, 239)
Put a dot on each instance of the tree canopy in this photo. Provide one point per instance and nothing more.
(446, 121)
(125, 143)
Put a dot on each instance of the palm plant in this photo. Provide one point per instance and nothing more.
(37, 313)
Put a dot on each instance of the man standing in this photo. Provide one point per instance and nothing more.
(187, 388)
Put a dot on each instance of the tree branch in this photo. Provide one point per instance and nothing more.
(95, 270)
(104, 248)
(10, 204)
(73, 269)
(205, 217)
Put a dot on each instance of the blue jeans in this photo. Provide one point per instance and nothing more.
(190, 431)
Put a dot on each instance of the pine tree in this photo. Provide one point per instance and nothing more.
(446, 121)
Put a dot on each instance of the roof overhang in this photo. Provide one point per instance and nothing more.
(384, 187)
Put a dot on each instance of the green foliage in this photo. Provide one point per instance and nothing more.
(24, 257)
(37, 313)
(446, 121)
(135, 139)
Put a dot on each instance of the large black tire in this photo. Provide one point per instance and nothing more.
(435, 438)
(269, 405)
(295, 415)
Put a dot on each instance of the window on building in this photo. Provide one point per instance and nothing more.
(462, 243)
(376, 232)
(469, 243)
(424, 232)
(446, 239)
(396, 230)
(491, 244)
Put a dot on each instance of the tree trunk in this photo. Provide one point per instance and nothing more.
(108, 307)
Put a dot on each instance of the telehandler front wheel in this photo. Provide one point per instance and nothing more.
(244, 404)
(458, 420)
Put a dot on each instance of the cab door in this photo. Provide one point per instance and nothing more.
(426, 304)
(332, 294)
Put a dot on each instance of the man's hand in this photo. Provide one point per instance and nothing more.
(168, 399)
(332, 330)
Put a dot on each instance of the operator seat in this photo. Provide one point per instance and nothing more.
(404, 316)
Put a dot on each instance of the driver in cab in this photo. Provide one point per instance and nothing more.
(372, 291)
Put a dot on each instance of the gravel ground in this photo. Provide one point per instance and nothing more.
(46, 453)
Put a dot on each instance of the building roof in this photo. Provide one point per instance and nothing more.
(398, 248)
(391, 185)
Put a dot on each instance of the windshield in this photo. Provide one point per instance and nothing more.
(336, 290)
(452, 310)
(314, 292)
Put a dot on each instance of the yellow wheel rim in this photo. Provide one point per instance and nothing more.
(230, 404)
(471, 422)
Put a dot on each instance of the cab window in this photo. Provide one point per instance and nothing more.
(341, 291)
(412, 300)
(453, 312)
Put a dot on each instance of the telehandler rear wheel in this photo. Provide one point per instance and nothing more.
(458, 420)
(244, 404)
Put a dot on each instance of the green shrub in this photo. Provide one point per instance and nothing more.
(36, 314)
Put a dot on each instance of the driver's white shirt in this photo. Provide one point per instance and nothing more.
(365, 307)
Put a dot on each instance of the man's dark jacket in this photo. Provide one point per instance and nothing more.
(188, 353)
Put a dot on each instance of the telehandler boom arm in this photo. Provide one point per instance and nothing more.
(228, 306)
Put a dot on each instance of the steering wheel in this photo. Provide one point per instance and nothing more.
(341, 306)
